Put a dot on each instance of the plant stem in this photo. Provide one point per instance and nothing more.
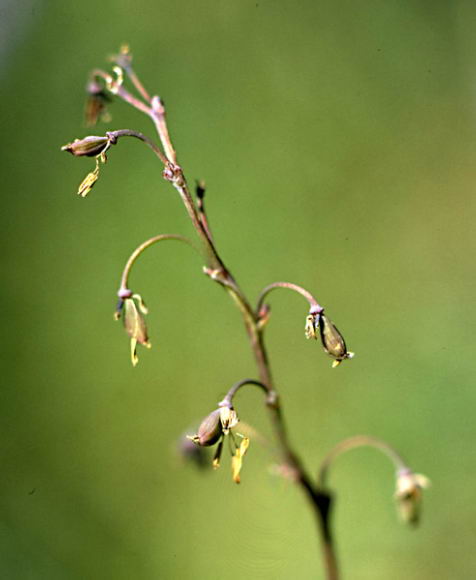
(138, 251)
(228, 400)
(313, 304)
(319, 501)
(352, 443)
(113, 135)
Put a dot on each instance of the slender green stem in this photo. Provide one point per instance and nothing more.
(138, 251)
(352, 443)
(313, 304)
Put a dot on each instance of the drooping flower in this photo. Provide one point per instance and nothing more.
(91, 146)
(318, 324)
(408, 495)
(213, 430)
(132, 309)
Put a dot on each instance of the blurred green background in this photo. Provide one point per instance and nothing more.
(337, 142)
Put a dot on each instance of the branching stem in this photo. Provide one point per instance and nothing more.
(320, 501)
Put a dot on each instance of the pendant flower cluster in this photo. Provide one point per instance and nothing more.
(91, 146)
(214, 429)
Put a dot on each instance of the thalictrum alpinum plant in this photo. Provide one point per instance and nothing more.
(222, 422)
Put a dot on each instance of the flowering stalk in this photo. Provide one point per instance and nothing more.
(408, 484)
(140, 249)
(317, 323)
(153, 108)
(130, 306)
(313, 304)
(218, 423)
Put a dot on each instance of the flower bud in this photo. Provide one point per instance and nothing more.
(332, 340)
(192, 453)
(408, 495)
(88, 147)
(210, 430)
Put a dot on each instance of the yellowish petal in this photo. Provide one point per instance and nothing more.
(237, 459)
(236, 464)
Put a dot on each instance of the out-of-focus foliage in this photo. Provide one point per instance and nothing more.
(337, 140)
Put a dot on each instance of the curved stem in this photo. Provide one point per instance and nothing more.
(228, 399)
(129, 133)
(352, 443)
(138, 251)
(313, 304)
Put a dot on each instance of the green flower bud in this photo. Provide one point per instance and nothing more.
(332, 340)
(91, 146)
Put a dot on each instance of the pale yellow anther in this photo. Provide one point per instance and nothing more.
(310, 327)
(228, 418)
(86, 185)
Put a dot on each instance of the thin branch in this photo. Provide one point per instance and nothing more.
(353, 443)
(313, 304)
(228, 399)
(129, 133)
(138, 251)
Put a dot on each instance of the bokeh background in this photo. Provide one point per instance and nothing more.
(337, 142)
